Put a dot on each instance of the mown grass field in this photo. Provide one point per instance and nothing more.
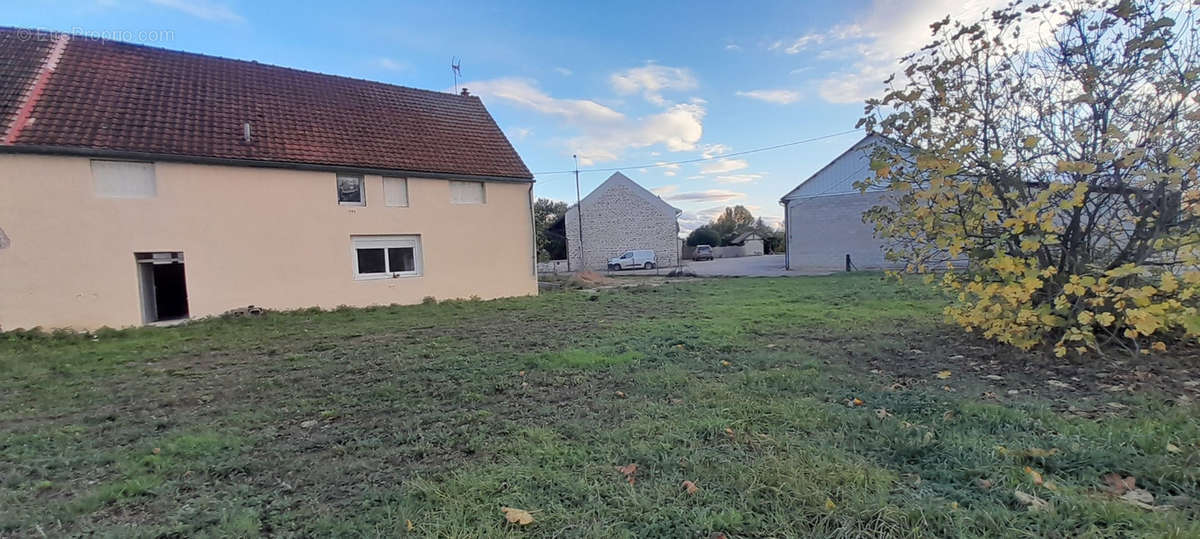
(367, 422)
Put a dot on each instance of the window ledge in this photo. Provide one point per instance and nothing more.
(383, 276)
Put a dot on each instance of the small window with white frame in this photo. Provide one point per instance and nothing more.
(351, 190)
(467, 192)
(123, 179)
(385, 257)
(395, 192)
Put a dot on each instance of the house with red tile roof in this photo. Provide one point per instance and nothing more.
(141, 185)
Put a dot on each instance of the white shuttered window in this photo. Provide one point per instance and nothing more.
(395, 191)
(467, 193)
(123, 179)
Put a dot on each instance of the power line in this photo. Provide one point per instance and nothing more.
(701, 159)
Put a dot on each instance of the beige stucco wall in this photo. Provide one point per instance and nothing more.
(275, 238)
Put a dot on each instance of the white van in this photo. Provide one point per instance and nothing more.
(640, 259)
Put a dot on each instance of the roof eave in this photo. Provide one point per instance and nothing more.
(204, 160)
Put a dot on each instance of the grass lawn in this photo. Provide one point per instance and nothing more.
(359, 422)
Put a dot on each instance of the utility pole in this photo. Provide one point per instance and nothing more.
(579, 213)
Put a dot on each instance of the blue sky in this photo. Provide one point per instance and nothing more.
(618, 83)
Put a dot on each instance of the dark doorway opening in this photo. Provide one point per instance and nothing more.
(164, 286)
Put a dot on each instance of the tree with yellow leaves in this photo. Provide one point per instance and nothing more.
(1049, 163)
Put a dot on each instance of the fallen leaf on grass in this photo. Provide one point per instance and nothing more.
(1139, 497)
(942, 375)
(1037, 476)
(1125, 489)
(1118, 485)
(408, 525)
(1172, 448)
(1033, 503)
(725, 363)
(1058, 384)
(690, 487)
(829, 505)
(984, 483)
(517, 516)
(856, 402)
(157, 450)
(729, 433)
(620, 394)
(628, 470)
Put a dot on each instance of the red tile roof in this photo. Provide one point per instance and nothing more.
(20, 58)
(107, 96)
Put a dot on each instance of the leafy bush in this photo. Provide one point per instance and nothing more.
(1056, 150)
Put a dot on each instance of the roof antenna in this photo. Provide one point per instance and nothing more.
(456, 70)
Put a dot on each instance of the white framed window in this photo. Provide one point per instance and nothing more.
(467, 192)
(123, 179)
(350, 190)
(395, 192)
(385, 257)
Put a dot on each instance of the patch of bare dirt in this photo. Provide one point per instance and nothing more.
(962, 363)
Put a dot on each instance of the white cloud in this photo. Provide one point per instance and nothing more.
(804, 42)
(669, 169)
(665, 190)
(604, 133)
(564, 71)
(710, 151)
(525, 93)
(390, 64)
(521, 132)
(678, 129)
(721, 166)
(733, 47)
(858, 85)
(781, 97)
(738, 178)
(202, 9)
(710, 195)
(651, 80)
(690, 220)
(886, 30)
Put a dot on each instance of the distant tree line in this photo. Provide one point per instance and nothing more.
(548, 223)
(730, 224)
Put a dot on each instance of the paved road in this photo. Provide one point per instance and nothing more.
(747, 266)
